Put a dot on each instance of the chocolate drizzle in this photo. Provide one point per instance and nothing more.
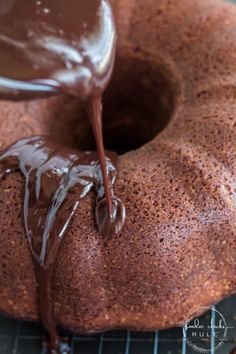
(68, 47)
(56, 179)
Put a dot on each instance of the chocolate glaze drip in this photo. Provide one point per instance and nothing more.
(49, 47)
(56, 179)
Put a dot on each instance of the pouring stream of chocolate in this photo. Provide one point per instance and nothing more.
(67, 47)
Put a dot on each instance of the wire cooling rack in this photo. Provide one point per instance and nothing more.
(26, 338)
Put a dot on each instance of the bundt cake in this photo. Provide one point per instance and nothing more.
(175, 74)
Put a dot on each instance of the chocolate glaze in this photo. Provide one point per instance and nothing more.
(49, 47)
(56, 178)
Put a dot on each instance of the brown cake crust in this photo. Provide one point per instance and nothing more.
(177, 251)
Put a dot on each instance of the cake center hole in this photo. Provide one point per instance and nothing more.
(137, 105)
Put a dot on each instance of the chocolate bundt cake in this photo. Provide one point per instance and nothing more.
(174, 75)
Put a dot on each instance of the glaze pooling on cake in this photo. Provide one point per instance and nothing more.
(177, 250)
(56, 179)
